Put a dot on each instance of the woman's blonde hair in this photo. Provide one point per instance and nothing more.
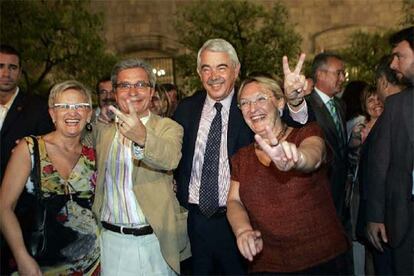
(61, 87)
(267, 82)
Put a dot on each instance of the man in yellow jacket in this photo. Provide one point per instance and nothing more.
(144, 229)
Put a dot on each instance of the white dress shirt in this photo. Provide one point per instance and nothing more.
(207, 116)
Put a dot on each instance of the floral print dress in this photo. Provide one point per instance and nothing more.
(75, 249)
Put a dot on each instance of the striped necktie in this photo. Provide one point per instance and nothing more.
(334, 113)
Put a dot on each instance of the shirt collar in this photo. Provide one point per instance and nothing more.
(226, 102)
(325, 98)
(10, 102)
(145, 119)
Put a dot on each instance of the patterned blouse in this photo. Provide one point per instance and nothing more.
(73, 244)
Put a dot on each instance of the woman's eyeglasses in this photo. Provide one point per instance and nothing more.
(66, 106)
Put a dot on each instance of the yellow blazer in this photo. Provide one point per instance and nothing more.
(152, 184)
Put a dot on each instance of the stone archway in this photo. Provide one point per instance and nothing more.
(158, 50)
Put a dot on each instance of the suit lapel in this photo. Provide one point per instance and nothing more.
(235, 120)
(15, 110)
(194, 122)
(325, 120)
(103, 143)
(408, 107)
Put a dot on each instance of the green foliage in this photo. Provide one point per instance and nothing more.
(58, 40)
(408, 11)
(261, 36)
(366, 49)
(364, 53)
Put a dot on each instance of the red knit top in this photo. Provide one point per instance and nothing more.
(294, 211)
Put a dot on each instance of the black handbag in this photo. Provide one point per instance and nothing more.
(35, 240)
(44, 237)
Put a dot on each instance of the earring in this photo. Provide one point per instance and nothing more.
(88, 126)
(280, 112)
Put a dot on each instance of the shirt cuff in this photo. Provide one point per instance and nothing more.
(300, 116)
(137, 151)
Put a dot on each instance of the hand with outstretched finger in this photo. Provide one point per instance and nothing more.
(284, 155)
(130, 125)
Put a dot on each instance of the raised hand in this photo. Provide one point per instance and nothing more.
(294, 83)
(284, 155)
(129, 124)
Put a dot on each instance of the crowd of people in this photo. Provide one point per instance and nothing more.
(294, 176)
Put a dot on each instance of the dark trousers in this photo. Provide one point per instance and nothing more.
(213, 245)
(402, 257)
(382, 260)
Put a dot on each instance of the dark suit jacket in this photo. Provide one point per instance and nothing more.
(27, 115)
(188, 115)
(337, 147)
(390, 167)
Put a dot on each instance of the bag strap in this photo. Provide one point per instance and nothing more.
(35, 174)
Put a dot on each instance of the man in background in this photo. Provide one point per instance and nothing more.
(21, 114)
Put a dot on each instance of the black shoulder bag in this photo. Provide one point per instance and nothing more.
(35, 236)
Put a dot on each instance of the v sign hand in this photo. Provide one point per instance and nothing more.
(294, 82)
(130, 125)
(284, 155)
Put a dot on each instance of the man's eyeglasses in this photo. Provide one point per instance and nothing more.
(260, 101)
(126, 86)
(338, 73)
(65, 106)
(104, 91)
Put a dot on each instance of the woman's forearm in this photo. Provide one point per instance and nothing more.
(311, 155)
(238, 218)
(12, 232)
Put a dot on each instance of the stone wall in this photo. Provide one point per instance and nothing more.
(146, 28)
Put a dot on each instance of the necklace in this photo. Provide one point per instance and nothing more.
(279, 136)
(281, 133)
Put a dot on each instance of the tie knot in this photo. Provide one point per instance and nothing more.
(218, 106)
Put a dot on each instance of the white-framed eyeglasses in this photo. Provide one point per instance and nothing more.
(260, 101)
(77, 106)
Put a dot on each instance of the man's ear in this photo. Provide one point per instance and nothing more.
(384, 82)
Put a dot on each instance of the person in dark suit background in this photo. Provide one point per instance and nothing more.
(329, 75)
(213, 245)
(390, 171)
(20, 115)
(387, 84)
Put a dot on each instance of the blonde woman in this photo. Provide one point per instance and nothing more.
(67, 182)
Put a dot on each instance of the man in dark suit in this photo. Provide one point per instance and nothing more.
(213, 245)
(20, 115)
(387, 84)
(329, 75)
(390, 179)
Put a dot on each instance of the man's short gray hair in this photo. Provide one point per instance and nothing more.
(218, 45)
(132, 63)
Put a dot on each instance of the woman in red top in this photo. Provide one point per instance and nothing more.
(279, 204)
